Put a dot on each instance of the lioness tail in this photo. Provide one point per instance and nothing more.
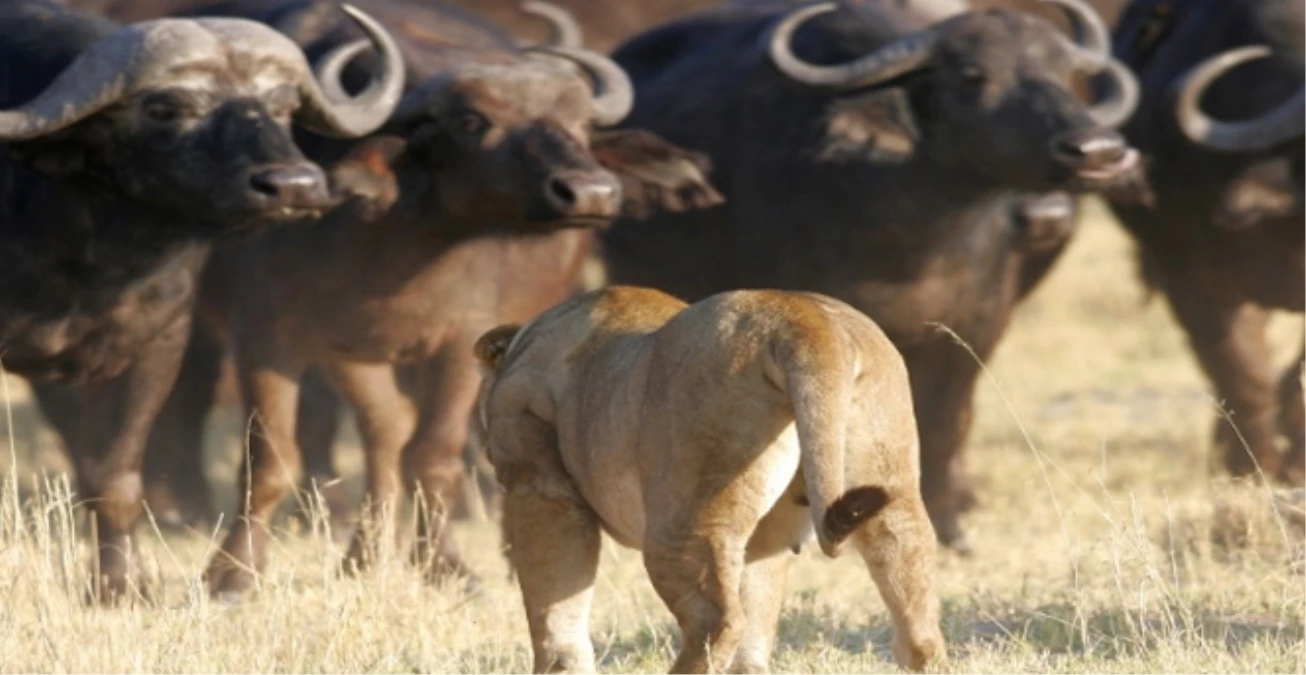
(817, 373)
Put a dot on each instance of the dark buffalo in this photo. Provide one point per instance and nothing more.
(879, 161)
(473, 207)
(127, 150)
(175, 485)
(1222, 232)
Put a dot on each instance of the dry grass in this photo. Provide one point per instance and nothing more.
(1102, 544)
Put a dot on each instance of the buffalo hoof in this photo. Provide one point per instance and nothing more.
(966, 499)
(329, 500)
(961, 547)
(454, 574)
(228, 580)
(950, 535)
(230, 598)
(1292, 472)
(172, 513)
(231, 586)
(119, 591)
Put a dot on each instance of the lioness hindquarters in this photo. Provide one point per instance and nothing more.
(697, 434)
(873, 471)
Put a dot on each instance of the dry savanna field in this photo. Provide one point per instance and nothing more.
(1103, 542)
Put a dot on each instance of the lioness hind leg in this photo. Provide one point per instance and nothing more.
(899, 549)
(699, 581)
(761, 592)
(553, 540)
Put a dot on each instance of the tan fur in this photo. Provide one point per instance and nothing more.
(713, 437)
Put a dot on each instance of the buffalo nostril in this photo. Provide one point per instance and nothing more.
(1091, 148)
(561, 193)
(264, 183)
(583, 194)
(298, 186)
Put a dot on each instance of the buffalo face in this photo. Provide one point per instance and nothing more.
(179, 148)
(194, 117)
(984, 93)
(1000, 102)
(514, 143)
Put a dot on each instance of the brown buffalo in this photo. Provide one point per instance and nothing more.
(1222, 235)
(473, 208)
(875, 158)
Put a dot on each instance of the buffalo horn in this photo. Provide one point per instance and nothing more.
(329, 111)
(95, 80)
(566, 31)
(1280, 124)
(1093, 40)
(113, 67)
(901, 56)
(614, 95)
(1119, 105)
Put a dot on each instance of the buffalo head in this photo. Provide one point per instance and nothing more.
(194, 116)
(515, 138)
(984, 92)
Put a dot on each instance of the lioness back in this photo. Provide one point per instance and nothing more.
(714, 437)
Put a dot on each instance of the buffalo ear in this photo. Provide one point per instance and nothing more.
(365, 176)
(654, 174)
(1262, 191)
(56, 159)
(877, 126)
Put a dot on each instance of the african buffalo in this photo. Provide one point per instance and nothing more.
(175, 485)
(472, 207)
(1222, 232)
(878, 160)
(127, 151)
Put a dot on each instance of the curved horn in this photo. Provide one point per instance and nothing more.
(96, 79)
(331, 67)
(328, 111)
(566, 31)
(896, 58)
(614, 95)
(1261, 133)
(1116, 108)
(1092, 38)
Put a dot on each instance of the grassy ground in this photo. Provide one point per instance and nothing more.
(1103, 543)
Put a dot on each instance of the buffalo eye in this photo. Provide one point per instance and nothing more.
(472, 123)
(973, 75)
(164, 111)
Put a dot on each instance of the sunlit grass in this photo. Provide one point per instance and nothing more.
(1103, 542)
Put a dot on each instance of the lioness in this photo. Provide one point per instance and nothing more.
(713, 437)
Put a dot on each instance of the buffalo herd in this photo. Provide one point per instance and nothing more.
(340, 199)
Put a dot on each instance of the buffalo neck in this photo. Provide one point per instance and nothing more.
(61, 240)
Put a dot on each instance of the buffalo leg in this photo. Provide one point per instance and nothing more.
(387, 420)
(61, 406)
(109, 447)
(434, 458)
(269, 382)
(316, 428)
(176, 488)
(1231, 346)
(1292, 421)
(943, 385)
